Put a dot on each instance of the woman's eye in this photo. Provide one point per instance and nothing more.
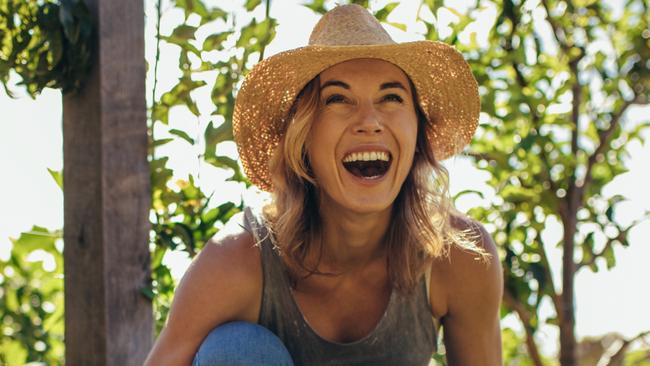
(334, 98)
(393, 98)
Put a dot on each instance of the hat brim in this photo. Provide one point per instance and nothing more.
(446, 89)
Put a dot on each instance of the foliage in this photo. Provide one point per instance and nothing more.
(185, 217)
(47, 43)
(31, 299)
(637, 358)
(514, 350)
(556, 78)
(553, 135)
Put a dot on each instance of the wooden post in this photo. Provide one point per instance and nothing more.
(107, 197)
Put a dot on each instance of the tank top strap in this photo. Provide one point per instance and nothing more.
(276, 291)
(427, 282)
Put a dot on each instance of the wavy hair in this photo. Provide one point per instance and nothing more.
(420, 228)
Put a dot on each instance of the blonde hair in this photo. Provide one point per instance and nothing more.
(420, 227)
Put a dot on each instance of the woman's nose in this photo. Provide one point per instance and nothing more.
(368, 121)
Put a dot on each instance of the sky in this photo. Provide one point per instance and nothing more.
(31, 142)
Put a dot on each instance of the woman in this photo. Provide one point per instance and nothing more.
(360, 255)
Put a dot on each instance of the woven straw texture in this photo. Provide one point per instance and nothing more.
(446, 88)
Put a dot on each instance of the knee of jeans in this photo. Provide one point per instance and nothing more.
(242, 343)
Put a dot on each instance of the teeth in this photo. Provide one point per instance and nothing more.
(366, 156)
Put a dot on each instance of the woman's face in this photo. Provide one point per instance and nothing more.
(363, 137)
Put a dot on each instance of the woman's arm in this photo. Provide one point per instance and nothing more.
(474, 287)
(224, 283)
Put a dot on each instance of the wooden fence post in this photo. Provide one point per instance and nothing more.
(107, 197)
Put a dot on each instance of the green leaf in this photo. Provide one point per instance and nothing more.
(183, 32)
(610, 257)
(613, 201)
(434, 5)
(516, 194)
(160, 113)
(223, 162)
(215, 41)
(214, 136)
(363, 3)
(57, 176)
(227, 210)
(222, 88)
(400, 26)
(468, 191)
(160, 142)
(553, 321)
(247, 34)
(184, 232)
(192, 6)
(37, 238)
(636, 133)
(211, 216)
(181, 94)
(252, 4)
(148, 292)
(384, 12)
(527, 142)
(265, 30)
(215, 13)
(317, 6)
(183, 135)
(15, 352)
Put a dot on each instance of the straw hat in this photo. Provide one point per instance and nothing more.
(446, 88)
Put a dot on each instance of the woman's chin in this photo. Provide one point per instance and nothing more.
(364, 203)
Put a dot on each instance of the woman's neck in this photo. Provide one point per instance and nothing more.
(351, 240)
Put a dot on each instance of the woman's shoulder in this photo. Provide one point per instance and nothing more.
(476, 232)
(467, 274)
(226, 275)
(235, 235)
(223, 283)
(472, 287)
(233, 251)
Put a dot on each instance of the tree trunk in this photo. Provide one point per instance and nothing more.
(569, 220)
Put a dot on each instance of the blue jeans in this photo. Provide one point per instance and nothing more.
(242, 344)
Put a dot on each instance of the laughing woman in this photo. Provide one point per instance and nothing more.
(360, 256)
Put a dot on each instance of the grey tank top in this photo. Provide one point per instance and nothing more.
(405, 335)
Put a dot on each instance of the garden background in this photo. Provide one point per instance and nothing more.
(564, 97)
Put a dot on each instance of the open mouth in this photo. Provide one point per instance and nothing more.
(367, 164)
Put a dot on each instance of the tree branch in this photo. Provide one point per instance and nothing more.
(603, 142)
(617, 358)
(155, 80)
(524, 316)
(594, 256)
(622, 236)
(267, 15)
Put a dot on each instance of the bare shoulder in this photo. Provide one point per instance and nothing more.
(472, 285)
(466, 276)
(474, 276)
(459, 259)
(227, 273)
(223, 283)
(482, 239)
